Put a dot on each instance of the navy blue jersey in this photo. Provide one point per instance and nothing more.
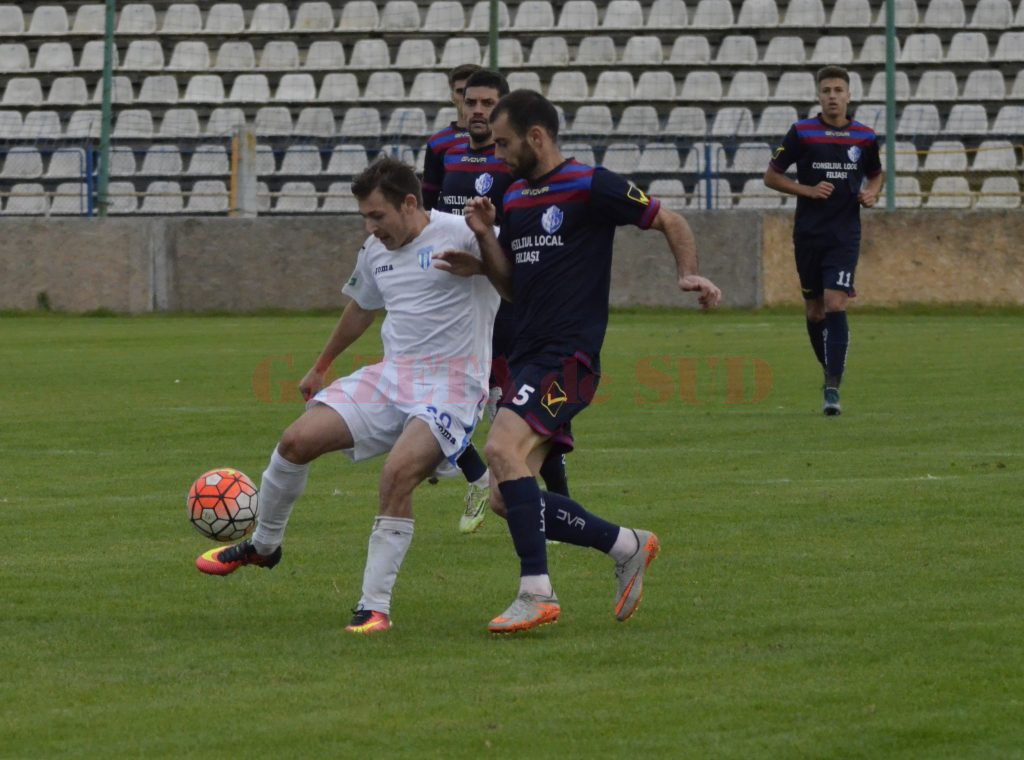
(469, 172)
(433, 162)
(558, 233)
(844, 156)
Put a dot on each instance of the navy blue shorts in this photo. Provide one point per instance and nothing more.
(503, 340)
(825, 265)
(547, 392)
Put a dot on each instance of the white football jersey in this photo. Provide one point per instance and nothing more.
(438, 321)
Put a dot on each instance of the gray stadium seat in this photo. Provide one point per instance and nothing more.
(273, 121)
(689, 48)
(643, 50)
(249, 88)
(784, 49)
(510, 53)
(748, 85)
(873, 49)
(738, 48)
(459, 50)
(70, 198)
(873, 115)
(358, 15)
(208, 196)
(23, 91)
(775, 121)
(400, 16)
(592, 120)
(325, 55)
(190, 55)
(136, 18)
(296, 88)
(906, 157)
(430, 86)
(179, 122)
(480, 17)
(1010, 47)
(599, 50)
(314, 17)
(921, 48)
(416, 54)
(339, 87)
(702, 85)
(732, 121)
(686, 121)
(22, 163)
(48, 20)
(1009, 121)
(751, 157)
(27, 199)
(946, 156)
(667, 14)
(613, 85)
(361, 122)
(949, 192)
(522, 80)
(655, 85)
(1017, 88)
(13, 58)
(182, 18)
(67, 91)
(54, 56)
(659, 158)
(407, 122)
(66, 162)
(568, 86)
(907, 16)
(999, 192)
(162, 88)
(163, 197)
(12, 21)
(985, 84)
(534, 14)
(134, 123)
(89, 20)
(279, 55)
(91, 58)
(143, 55)
(347, 159)
(266, 162)
(122, 198)
(877, 91)
(444, 16)
(918, 119)
(224, 121)
(204, 88)
(966, 119)
(270, 17)
(712, 14)
(209, 160)
(384, 85)
(623, 14)
(121, 92)
(640, 120)
(945, 14)
(162, 160)
(804, 13)
(968, 47)
(992, 14)
(850, 13)
(41, 125)
(83, 124)
(937, 84)
(370, 54)
(549, 51)
(302, 159)
(225, 19)
(758, 14)
(578, 14)
(832, 49)
(236, 55)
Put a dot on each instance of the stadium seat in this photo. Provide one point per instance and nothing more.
(407, 122)
(946, 156)
(12, 21)
(968, 47)
(122, 162)
(400, 16)
(686, 121)
(162, 161)
(786, 50)
(1017, 88)
(83, 124)
(416, 54)
(13, 58)
(748, 85)
(41, 125)
(361, 122)
(370, 54)
(638, 120)
(302, 159)
(917, 119)
(325, 54)
(623, 14)
(249, 88)
(339, 87)
(224, 121)
(937, 84)
(907, 16)
(162, 88)
(143, 55)
(403, 152)
(67, 91)
(850, 13)
(667, 14)
(592, 120)
(523, 80)
(643, 51)
(270, 17)
(122, 198)
(568, 86)
(23, 91)
(236, 56)
(273, 121)
(279, 55)
(55, 56)
(740, 49)
(70, 198)
(190, 55)
(430, 86)
(949, 192)
(985, 84)
(459, 50)
(549, 51)
(596, 50)
(966, 119)
(775, 121)
(670, 192)
(945, 14)
(136, 18)
(873, 49)
(621, 157)
(347, 159)
(999, 192)
(578, 14)
(359, 16)
(1010, 47)
(751, 157)
(27, 199)
(480, 16)
(992, 14)
(315, 122)
(873, 115)
(732, 122)
(659, 158)
(179, 122)
(877, 91)
(89, 20)
(209, 160)
(804, 13)
(134, 123)
(339, 199)
(721, 195)
(266, 161)
(907, 191)
(533, 15)
(655, 85)
(836, 49)
(755, 194)
(314, 17)
(48, 20)
(163, 197)
(510, 53)
(712, 14)
(204, 88)
(795, 86)
(92, 56)
(384, 85)
(758, 14)
(906, 155)
(444, 16)
(1018, 20)
(921, 48)
(22, 163)
(701, 85)
(225, 19)
(581, 151)
(121, 92)
(296, 88)
(208, 196)
(613, 85)
(688, 48)
(182, 18)
(66, 162)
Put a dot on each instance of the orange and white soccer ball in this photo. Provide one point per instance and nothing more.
(223, 504)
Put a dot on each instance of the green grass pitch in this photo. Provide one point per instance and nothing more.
(828, 588)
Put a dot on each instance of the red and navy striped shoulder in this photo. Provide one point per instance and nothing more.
(447, 137)
(570, 183)
(815, 130)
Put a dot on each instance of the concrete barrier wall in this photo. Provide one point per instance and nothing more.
(216, 264)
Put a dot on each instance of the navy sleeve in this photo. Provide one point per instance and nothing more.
(433, 176)
(872, 161)
(787, 153)
(615, 199)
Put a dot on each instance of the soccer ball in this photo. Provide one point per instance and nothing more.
(223, 504)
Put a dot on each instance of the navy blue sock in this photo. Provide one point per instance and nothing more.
(816, 332)
(471, 464)
(526, 524)
(570, 523)
(837, 341)
(553, 472)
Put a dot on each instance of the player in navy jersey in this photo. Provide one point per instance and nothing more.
(837, 171)
(439, 143)
(553, 261)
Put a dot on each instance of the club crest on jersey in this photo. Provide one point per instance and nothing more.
(552, 219)
(423, 254)
(853, 152)
(483, 184)
(553, 399)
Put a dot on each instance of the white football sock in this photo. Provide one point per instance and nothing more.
(389, 541)
(283, 483)
(625, 546)
(535, 584)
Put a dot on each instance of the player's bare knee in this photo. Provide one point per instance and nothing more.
(815, 310)
(294, 448)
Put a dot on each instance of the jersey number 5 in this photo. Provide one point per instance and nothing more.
(524, 395)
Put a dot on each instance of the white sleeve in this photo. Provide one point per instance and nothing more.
(361, 286)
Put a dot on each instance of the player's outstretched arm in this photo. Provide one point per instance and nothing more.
(684, 248)
(779, 181)
(354, 321)
(480, 215)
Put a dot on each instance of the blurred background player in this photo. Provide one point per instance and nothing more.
(834, 156)
(553, 262)
(440, 142)
(419, 405)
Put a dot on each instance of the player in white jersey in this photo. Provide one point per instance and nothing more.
(419, 404)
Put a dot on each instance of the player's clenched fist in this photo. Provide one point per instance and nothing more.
(480, 214)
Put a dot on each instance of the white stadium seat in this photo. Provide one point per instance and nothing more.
(906, 157)
(400, 16)
(621, 157)
(416, 54)
(755, 194)
(999, 192)
(163, 197)
(873, 49)
(48, 19)
(568, 86)
(162, 160)
(985, 84)
(578, 14)
(22, 163)
(877, 90)
(279, 55)
(686, 121)
(921, 48)
(670, 192)
(638, 120)
(873, 115)
(534, 14)
(430, 86)
(370, 54)
(224, 121)
(592, 120)
(12, 20)
(739, 48)
(270, 17)
(907, 192)
(667, 14)
(459, 50)
(347, 159)
(136, 18)
(182, 18)
(850, 13)
(784, 49)
(949, 192)
(583, 152)
(67, 91)
(702, 85)
(236, 55)
(907, 16)
(480, 17)
(994, 156)
(204, 88)
(209, 160)
(249, 88)
(41, 125)
(732, 121)
(834, 49)
(992, 14)
(273, 121)
(721, 195)
(134, 123)
(301, 159)
(122, 162)
(937, 84)
(598, 50)
(89, 20)
(521, 80)
(66, 162)
(143, 55)
(751, 157)
(748, 85)
(13, 58)
(325, 54)
(623, 14)
(314, 17)
(339, 199)
(407, 122)
(315, 121)
(190, 55)
(1009, 121)
(384, 85)
(968, 47)
(179, 122)
(361, 122)
(689, 48)
(358, 16)
(225, 19)
(945, 14)
(549, 51)
(83, 124)
(23, 91)
(70, 198)
(444, 16)
(804, 13)
(966, 119)
(775, 121)
(643, 50)
(510, 53)
(1010, 47)
(55, 56)
(296, 88)
(338, 87)
(655, 85)
(91, 58)
(161, 88)
(918, 119)
(208, 196)
(27, 199)
(613, 85)
(121, 93)
(946, 156)
(758, 14)
(712, 14)
(659, 158)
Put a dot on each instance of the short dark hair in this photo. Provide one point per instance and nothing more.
(462, 71)
(395, 179)
(488, 78)
(832, 72)
(525, 109)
